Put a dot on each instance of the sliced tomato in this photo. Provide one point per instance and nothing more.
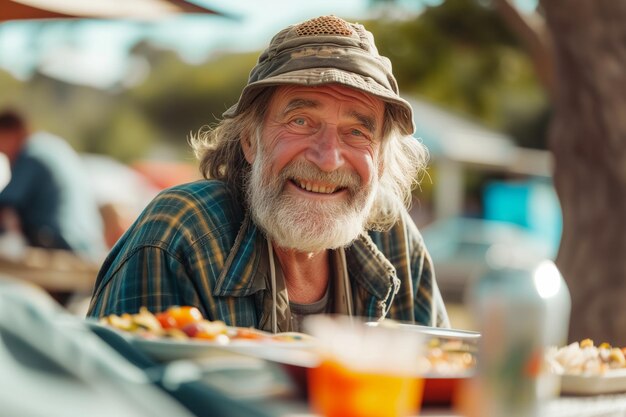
(166, 320)
(179, 316)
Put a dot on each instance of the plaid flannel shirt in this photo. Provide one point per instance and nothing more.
(195, 245)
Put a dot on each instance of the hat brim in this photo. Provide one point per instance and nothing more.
(402, 112)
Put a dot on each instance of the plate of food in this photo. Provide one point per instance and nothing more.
(448, 358)
(451, 358)
(469, 336)
(587, 369)
(180, 332)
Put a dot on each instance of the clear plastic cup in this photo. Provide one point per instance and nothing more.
(365, 371)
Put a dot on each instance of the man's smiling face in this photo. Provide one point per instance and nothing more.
(315, 166)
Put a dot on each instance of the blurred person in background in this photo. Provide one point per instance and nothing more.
(48, 201)
(304, 206)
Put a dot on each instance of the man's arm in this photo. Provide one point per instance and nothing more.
(150, 277)
(171, 255)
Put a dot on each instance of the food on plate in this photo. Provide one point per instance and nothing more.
(585, 358)
(175, 323)
(187, 322)
(144, 320)
(450, 356)
(294, 337)
(447, 352)
(178, 317)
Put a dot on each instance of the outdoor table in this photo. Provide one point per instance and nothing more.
(613, 405)
(51, 269)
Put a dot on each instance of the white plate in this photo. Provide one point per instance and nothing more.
(271, 348)
(433, 331)
(611, 381)
(169, 349)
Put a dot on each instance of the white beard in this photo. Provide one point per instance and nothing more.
(306, 225)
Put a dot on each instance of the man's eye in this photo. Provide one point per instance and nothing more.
(299, 121)
(356, 132)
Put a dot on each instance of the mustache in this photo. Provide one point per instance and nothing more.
(310, 172)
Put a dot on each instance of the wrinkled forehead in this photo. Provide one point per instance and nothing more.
(289, 97)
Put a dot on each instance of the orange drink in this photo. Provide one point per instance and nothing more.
(364, 371)
(338, 391)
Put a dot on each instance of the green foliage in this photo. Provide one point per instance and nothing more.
(461, 55)
(174, 100)
(129, 136)
(10, 90)
(179, 98)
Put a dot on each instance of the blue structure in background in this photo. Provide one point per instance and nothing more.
(532, 204)
(523, 214)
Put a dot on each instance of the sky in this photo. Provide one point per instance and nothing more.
(97, 52)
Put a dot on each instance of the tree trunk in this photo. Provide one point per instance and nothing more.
(588, 140)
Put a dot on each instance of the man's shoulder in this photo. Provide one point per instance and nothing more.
(186, 206)
(200, 186)
(40, 144)
(402, 237)
(54, 156)
(404, 226)
(199, 193)
(180, 217)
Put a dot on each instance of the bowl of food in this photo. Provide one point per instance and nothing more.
(447, 359)
(588, 369)
(450, 356)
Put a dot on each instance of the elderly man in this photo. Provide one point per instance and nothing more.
(303, 210)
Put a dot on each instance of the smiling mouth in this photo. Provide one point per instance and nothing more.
(315, 187)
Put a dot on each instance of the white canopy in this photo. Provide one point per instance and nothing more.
(454, 138)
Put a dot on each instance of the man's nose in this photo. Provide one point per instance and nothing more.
(325, 149)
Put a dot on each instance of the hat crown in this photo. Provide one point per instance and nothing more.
(324, 25)
(324, 30)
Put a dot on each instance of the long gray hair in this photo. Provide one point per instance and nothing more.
(403, 160)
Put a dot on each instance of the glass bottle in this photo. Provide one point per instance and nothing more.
(520, 306)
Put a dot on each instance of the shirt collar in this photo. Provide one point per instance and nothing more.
(245, 269)
(371, 269)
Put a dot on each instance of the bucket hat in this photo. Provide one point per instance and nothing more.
(326, 50)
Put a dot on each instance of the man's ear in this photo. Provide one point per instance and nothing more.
(248, 146)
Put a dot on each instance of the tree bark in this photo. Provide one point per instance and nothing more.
(588, 139)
